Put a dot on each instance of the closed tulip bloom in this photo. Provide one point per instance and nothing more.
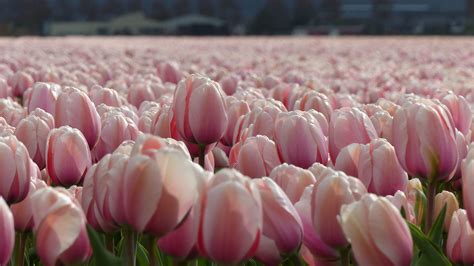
(382, 122)
(467, 170)
(60, 227)
(255, 156)
(43, 95)
(313, 100)
(33, 131)
(20, 82)
(229, 233)
(449, 199)
(424, 139)
(281, 223)
(328, 195)
(200, 110)
(146, 144)
(11, 111)
(300, 139)
(259, 121)
(460, 110)
(229, 83)
(377, 232)
(292, 179)
(116, 128)
(408, 205)
(67, 156)
(348, 159)
(235, 109)
(347, 126)
(16, 170)
(169, 72)
(159, 190)
(22, 211)
(74, 108)
(7, 233)
(460, 240)
(311, 239)
(99, 95)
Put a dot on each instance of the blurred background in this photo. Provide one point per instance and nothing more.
(236, 17)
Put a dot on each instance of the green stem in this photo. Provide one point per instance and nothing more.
(294, 260)
(20, 243)
(345, 256)
(130, 242)
(202, 150)
(430, 195)
(109, 243)
(151, 246)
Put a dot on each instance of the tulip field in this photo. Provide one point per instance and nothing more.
(237, 151)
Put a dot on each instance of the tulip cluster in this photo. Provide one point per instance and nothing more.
(258, 151)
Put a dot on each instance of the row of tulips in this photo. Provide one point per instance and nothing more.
(122, 159)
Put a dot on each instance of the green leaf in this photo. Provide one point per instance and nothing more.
(142, 255)
(101, 255)
(430, 253)
(436, 231)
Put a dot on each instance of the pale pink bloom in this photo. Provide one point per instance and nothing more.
(448, 199)
(11, 111)
(229, 83)
(460, 110)
(292, 179)
(235, 109)
(460, 240)
(99, 95)
(377, 232)
(20, 82)
(7, 233)
(43, 95)
(22, 211)
(313, 100)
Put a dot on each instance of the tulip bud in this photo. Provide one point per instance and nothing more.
(255, 156)
(11, 111)
(377, 232)
(16, 170)
(460, 240)
(293, 180)
(22, 211)
(300, 138)
(33, 131)
(467, 169)
(200, 110)
(229, 233)
(99, 95)
(20, 82)
(328, 195)
(43, 96)
(74, 108)
(7, 233)
(424, 140)
(449, 199)
(281, 223)
(459, 109)
(67, 156)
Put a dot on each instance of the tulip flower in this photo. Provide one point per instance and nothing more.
(99, 95)
(347, 126)
(300, 138)
(328, 195)
(33, 131)
(292, 179)
(282, 226)
(60, 227)
(11, 111)
(200, 110)
(67, 156)
(460, 240)
(43, 96)
(255, 156)
(448, 199)
(22, 211)
(20, 82)
(467, 170)
(229, 233)
(459, 109)
(377, 232)
(7, 233)
(74, 108)
(16, 170)
(235, 109)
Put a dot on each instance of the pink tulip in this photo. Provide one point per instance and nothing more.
(33, 131)
(159, 190)
(424, 140)
(160, 122)
(235, 109)
(448, 199)
(146, 144)
(229, 233)
(312, 240)
(459, 109)
(43, 96)
(460, 240)
(281, 223)
(5, 90)
(347, 126)
(467, 170)
(169, 72)
(7, 233)
(67, 156)
(229, 83)
(141, 92)
(292, 179)
(107, 96)
(16, 170)
(259, 121)
(300, 138)
(328, 195)
(254, 157)
(382, 122)
(22, 211)
(20, 82)
(60, 227)
(116, 128)
(377, 232)
(74, 108)
(313, 100)
(11, 111)
(348, 159)
(200, 110)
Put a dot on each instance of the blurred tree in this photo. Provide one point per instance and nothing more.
(303, 12)
(229, 11)
(381, 11)
(181, 7)
(31, 15)
(88, 8)
(206, 8)
(159, 11)
(114, 7)
(330, 11)
(273, 18)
